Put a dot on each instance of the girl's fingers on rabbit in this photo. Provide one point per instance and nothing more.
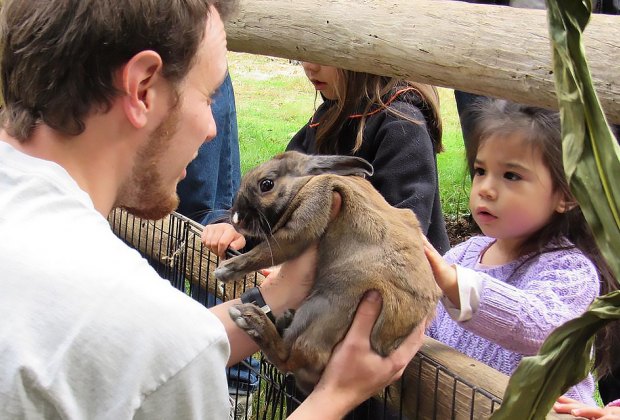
(436, 261)
(427, 243)
(445, 275)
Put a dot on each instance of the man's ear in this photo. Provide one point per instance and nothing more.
(139, 79)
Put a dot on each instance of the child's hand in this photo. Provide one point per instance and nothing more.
(565, 405)
(445, 274)
(218, 237)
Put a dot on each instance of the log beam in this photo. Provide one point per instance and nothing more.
(490, 50)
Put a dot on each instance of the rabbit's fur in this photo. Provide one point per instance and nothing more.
(369, 245)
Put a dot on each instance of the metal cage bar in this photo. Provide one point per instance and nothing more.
(172, 246)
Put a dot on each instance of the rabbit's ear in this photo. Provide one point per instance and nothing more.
(338, 165)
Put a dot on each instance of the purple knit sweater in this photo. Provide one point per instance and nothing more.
(519, 309)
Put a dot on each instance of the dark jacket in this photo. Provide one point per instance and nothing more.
(403, 157)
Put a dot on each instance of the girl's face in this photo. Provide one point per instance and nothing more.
(324, 78)
(512, 193)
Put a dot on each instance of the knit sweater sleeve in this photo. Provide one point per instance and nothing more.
(404, 162)
(519, 315)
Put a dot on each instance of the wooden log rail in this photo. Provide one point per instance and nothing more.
(491, 50)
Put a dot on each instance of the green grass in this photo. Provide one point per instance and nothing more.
(274, 100)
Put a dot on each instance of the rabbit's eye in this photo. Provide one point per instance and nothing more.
(266, 185)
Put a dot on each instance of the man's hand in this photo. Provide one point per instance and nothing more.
(355, 372)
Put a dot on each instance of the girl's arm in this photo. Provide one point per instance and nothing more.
(557, 287)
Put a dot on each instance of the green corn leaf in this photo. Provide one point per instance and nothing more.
(591, 161)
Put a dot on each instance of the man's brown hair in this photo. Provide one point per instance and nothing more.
(58, 57)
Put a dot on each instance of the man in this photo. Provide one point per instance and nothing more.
(105, 104)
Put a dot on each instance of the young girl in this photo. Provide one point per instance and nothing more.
(392, 123)
(537, 265)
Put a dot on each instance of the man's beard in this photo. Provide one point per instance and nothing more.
(145, 195)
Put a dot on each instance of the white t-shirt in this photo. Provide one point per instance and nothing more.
(88, 330)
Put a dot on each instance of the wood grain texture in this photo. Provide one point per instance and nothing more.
(491, 50)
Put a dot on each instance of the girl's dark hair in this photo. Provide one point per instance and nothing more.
(365, 92)
(540, 128)
(59, 58)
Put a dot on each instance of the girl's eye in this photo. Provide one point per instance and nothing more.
(266, 185)
(478, 171)
(511, 176)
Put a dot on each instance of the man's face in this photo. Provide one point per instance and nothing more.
(161, 163)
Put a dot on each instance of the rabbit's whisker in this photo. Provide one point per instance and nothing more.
(268, 234)
(268, 242)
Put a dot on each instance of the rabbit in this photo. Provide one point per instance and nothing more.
(369, 245)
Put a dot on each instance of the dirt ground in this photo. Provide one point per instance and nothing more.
(460, 229)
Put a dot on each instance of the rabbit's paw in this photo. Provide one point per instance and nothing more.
(227, 272)
(251, 319)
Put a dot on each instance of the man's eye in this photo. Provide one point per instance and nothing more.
(266, 185)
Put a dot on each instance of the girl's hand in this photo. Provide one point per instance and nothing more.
(218, 237)
(445, 274)
(565, 405)
(355, 371)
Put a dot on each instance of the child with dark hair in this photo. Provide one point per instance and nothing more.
(537, 264)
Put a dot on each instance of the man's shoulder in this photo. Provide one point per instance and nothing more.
(100, 322)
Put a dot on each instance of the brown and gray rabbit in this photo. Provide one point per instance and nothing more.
(368, 245)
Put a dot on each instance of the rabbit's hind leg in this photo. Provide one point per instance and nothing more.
(255, 323)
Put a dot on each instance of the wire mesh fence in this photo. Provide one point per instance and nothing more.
(439, 383)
